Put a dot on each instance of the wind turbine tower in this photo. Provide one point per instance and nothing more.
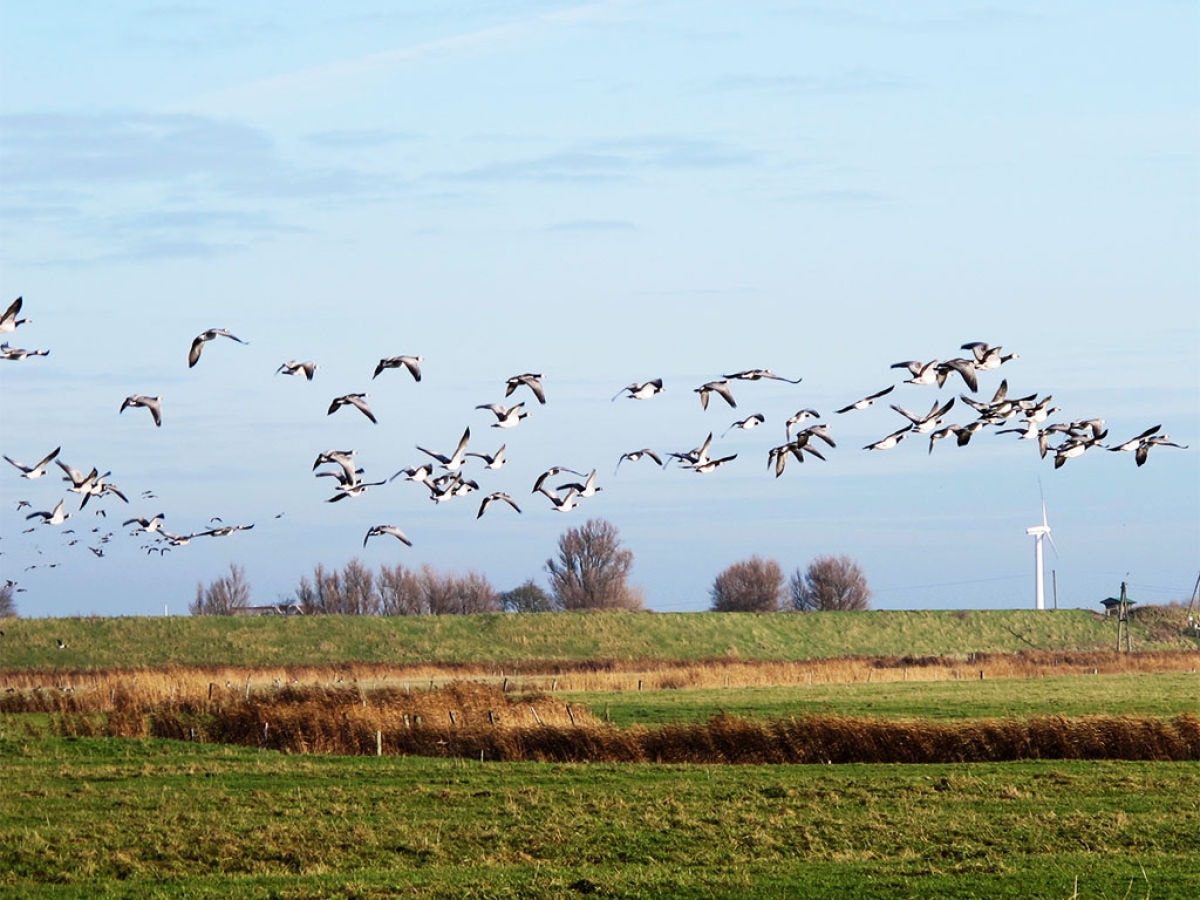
(1039, 532)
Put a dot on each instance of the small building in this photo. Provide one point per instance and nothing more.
(1113, 604)
(272, 609)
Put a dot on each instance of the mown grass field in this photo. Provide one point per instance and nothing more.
(151, 817)
(122, 818)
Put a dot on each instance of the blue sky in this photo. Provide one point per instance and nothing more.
(604, 193)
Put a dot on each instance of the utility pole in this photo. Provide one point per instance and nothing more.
(1123, 620)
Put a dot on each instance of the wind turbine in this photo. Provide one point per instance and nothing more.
(1038, 532)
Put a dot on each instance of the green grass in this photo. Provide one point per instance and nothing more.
(120, 818)
(1152, 694)
(510, 640)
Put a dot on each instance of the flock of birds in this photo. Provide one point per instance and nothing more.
(448, 476)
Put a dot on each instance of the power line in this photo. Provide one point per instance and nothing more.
(917, 587)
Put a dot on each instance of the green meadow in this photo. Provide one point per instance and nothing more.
(151, 817)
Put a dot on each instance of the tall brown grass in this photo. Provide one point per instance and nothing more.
(470, 719)
(54, 689)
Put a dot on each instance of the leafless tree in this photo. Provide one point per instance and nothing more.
(830, 583)
(323, 595)
(8, 601)
(358, 594)
(222, 596)
(400, 592)
(474, 594)
(448, 594)
(591, 569)
(753, 585)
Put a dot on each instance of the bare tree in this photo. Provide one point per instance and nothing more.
(358, 594)
(473, 593)
(222, 596)
(830, 583)
(437, 592)
(591, 569)
(324, 595)
(527, 598)
(753, 585)
(400, 592)
(8, 601)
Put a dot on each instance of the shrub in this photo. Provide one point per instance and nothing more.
(830, 583)
(753, 585)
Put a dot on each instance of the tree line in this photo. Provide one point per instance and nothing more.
(590, 570)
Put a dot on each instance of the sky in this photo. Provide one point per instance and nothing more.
(603, 193)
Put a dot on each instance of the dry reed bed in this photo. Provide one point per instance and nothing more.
(21, 689)
(482, 722)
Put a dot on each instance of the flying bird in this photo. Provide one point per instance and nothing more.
(506, 416)
(778, 456)
(223, 530)
(721, 388)
(19, 353)
(379, 530)
(710, 465)
(801, 415)
(203, 337)
(455, 460)
(150, 525)
(758, 374)
(1141, 444)
(866, 401)
(565, 503)
(493, 461)
(493, 497)
(412, 363)
(747, 423)
(530, 380)
(635, 455)
(928, 422)
(587, 488)
(354, 489)
(921, 372)
(34, 471)
(308, 368)
(358, 401)
(890, 441)
(421, 473)
(53, 517)
(154, 404)
(341, 458)
(987, 356)
(643, 391)
(550, 473)
(964, 367)
(9, 321)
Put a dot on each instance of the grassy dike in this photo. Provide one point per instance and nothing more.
(508, 640)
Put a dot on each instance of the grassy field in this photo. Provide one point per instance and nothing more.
(122, 818)
(1155, 694)
(141, 817)
(530, 640)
